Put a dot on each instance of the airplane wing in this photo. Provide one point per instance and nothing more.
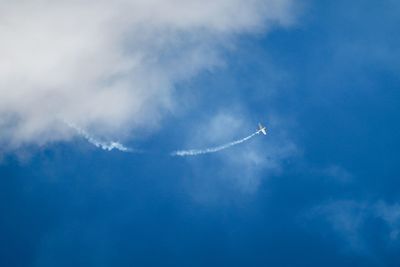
(263, 130)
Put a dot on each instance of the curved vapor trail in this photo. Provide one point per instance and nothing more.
(195, 152)
(110, 145)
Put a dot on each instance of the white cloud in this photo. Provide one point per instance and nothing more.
(111, 66)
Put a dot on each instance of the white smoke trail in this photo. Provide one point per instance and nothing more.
(100, 144)
(195, 152)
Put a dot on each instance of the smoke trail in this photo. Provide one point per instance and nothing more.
(195, 152)
(100, 144)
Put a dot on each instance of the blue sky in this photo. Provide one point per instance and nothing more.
(321, 189)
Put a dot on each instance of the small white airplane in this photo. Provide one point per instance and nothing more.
(262, 129)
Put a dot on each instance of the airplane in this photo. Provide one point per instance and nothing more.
(262, 129)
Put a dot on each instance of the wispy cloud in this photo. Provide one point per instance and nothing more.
(239, 169)
(349, 219)
(391, 215)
